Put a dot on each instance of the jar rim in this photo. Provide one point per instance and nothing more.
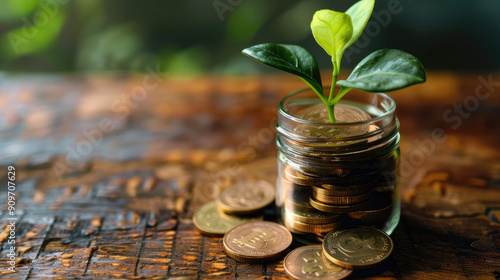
(282, 111)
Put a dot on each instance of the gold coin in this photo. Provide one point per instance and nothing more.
(291, 189)
(306, 263)
(337, 209)
(357, 247)
(326, 189)
(342, 200)
(290, 186)
(246, 198)
(293, 176)
(298, 199)
(310, 228)
(256, 242)
(330, 170)
(312, 217)
(346, 188)
(209, 220)
(372, 216)
(386, 182)
(303, 206)
(378, 211)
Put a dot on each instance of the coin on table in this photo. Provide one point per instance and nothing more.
(257, 242)
(210, 221)
(357, 247)
(246, 198)
(306, 263)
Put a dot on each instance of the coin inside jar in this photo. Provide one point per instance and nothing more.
(311, 217)
(257, 242)
(210, 221)
(337, 209)
(246, 198)
(327, 190)
(299, 178)
(298, 199)
(357, 247)
(306, 262)
(310, 228)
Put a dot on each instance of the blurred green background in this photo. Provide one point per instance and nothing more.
(193, 37)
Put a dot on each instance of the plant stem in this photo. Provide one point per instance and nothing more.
(335, 75)
(331, 113)
(330, 104)
(340, 94)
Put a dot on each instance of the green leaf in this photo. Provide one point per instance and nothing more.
(360, 13)
(332, 30)
(386, 70)
(289, 58)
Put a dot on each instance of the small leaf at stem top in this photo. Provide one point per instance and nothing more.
(332, 30)
(386, 70)
(289, 58)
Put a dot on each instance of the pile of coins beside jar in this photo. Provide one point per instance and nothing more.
(342, 251)
(238, 204)
(236, 215)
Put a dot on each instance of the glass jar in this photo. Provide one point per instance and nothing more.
(342, 174)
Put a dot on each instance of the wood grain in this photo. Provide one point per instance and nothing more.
(95, 202)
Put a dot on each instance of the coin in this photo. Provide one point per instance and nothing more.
(357, 247)
(311, 217)
(306, 263)
(210, 221)
(344, 188)
(342, 200)
(377, 211)
(293, 176)
(311, 228)
(246, 198)
(257, 242)
(345, 191)
(288, 185)
(372, 216)
(337, 209)
(344, 113)
(386, 182)
(298, 199)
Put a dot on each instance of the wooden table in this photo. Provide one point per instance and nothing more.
(110, 168)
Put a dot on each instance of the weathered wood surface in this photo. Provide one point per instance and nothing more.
(118, 202)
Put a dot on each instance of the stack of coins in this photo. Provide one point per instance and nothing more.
(238, 204)
(318, 200)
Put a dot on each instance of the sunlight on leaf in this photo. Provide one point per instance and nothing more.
(332, 30)
(386, 70)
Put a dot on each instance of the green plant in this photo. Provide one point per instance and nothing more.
(381, 71)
